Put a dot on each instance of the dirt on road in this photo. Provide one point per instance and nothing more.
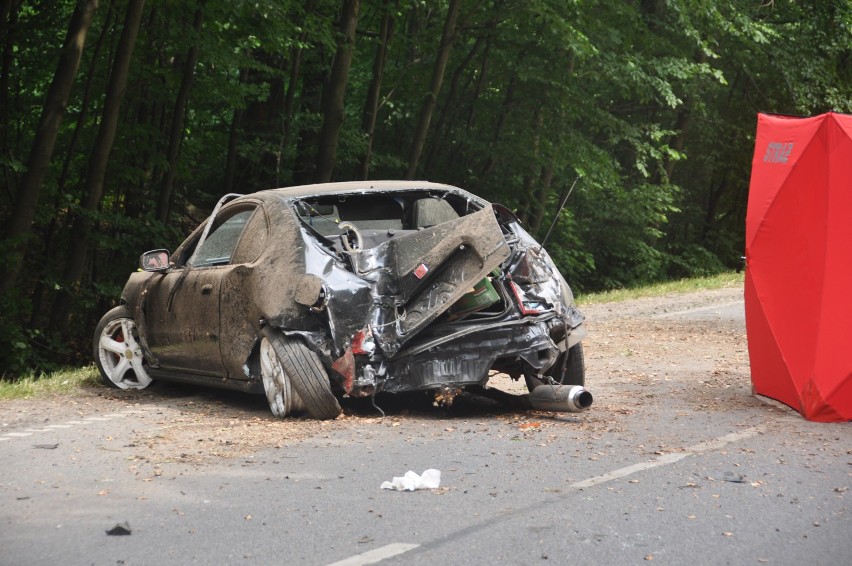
(672, 357)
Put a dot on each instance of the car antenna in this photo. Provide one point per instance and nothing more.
(559, 210)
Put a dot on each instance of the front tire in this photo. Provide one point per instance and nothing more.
(306, 375)
(118, 353)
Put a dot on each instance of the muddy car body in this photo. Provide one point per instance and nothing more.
(312, 292)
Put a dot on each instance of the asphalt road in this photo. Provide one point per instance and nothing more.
(676, 463)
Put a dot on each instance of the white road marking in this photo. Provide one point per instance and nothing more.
(395, 549)
(697, 309)
(667, 459)
(69, 424)
(664, 460)
(376, 555)
(717, 443)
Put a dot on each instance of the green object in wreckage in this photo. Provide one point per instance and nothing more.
(483, 295)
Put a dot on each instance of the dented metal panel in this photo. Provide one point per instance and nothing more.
(428, 271)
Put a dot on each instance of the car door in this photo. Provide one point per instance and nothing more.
(183, 306)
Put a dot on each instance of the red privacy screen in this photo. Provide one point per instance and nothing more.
(798, 286)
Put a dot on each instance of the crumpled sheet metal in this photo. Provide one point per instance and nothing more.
(430, 479)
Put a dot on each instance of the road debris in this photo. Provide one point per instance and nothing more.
(120, 529)
(411, 481)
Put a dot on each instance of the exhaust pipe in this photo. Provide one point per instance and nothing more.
(563, 398)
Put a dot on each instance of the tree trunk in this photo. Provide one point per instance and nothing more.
(527, 213)
(684, 117)
(447, 115)
(710, 210)
(39, 294)
(480, 83)
(332, 105)
(8, 18)
(82, 228)
(20, 223)
(261, 124)
(447, 38)
(231, 158)
(164, 200)
(684, 120)
(304, 163)
(296, 57)
(84, 101)
(537, 214)
(505, 110)
(289, 106)
(371, 105)
(507, 106)
(233, 139)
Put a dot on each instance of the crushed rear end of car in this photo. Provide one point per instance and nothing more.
(434, 290)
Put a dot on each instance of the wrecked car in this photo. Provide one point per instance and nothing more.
(311, 293)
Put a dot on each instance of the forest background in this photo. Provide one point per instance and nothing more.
(123, 121)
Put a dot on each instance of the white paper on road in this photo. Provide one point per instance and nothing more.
(431, 479)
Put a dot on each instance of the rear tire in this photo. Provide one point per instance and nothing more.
(575, 370)
(307, 376)
(282, 398)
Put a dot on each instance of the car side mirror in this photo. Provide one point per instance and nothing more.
(155, 260)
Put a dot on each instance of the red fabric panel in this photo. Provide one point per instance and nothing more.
(833, 364)
(770, 376)
(799, 258)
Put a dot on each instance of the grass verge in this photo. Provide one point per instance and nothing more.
(62, 382)
(720, 281)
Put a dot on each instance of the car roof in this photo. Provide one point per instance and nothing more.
(361, 187)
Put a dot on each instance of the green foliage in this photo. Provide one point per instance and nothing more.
(692, 261)
(652, 102)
